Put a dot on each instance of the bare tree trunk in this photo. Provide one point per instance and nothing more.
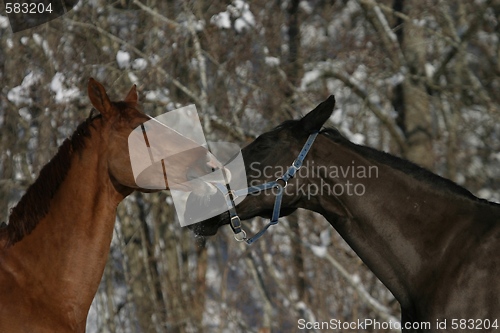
(200, 292)
(173, 282)
(293, 67)
(411, 100)
(139, 283)
(157, 314)
(298, 257)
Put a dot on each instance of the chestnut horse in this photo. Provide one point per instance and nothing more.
(431, 242)
(54, 249)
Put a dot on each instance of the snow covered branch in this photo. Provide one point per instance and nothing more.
(388, 37)
(129, 46)
(460, 40)
(200, 58)
(354, 281)
(330, 71)
(171, 23)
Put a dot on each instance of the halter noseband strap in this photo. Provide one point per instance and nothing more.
(230, 195)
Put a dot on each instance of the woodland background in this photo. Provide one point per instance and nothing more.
(419, 79)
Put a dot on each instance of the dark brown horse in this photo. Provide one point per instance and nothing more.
(431, 242)
(54, 249)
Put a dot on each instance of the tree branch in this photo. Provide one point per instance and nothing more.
(178, 84)
(200, 58)
(459, 41)
(330, 71)
(388, 37)
(355, 282)
(171, 23)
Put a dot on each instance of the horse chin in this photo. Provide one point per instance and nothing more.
(210, 226)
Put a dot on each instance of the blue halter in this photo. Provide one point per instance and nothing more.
(280, 184)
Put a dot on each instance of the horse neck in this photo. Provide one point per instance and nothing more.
(401, 227)
(62, 260)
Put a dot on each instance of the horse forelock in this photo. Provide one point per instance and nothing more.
(35, 203)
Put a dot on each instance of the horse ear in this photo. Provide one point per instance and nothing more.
(132, 95)
(314, 120)
(99, 98)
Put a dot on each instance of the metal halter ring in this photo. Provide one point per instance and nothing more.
(278, 184)
(241, 236)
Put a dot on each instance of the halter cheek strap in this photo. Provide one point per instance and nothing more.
(230, 195)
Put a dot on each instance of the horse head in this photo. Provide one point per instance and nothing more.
(120, 119)
(267, 159)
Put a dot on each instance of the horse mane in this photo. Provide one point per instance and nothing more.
(403, 165)
(35, 203)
